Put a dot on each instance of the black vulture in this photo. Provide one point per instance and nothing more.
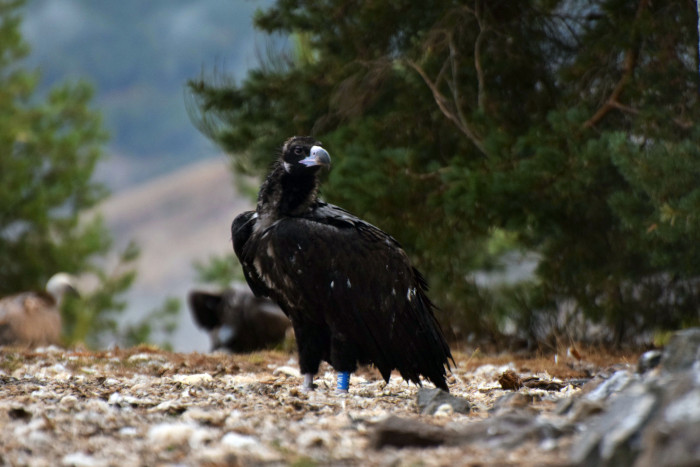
(33, 318)
(348, 287)
(237, 320)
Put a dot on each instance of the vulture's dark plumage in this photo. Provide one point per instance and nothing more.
(237, 320)
(347, 286)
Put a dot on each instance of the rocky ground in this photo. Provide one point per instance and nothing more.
(144, 406)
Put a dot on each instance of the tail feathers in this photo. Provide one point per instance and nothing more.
(420, 349)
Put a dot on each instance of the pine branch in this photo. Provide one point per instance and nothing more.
(452, 113)
(481, 79)
(630, 63)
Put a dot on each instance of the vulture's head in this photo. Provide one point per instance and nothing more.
(61, 283)
(303, 154)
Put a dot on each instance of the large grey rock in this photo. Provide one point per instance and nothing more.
(512, 429)
(673, 436)
(624, 416)
(648, 418)
(682, 351)
(614, 437)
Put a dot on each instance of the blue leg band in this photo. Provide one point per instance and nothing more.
(343, 380)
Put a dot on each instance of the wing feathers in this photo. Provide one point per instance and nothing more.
(331, 267)
(241, 231)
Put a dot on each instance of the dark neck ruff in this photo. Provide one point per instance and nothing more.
(287, 194)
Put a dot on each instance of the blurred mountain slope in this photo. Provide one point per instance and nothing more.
(139, 55)
(175, 219)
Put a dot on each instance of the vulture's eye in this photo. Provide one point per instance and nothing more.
(298, 151)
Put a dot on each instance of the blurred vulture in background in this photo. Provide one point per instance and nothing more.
(237, 321)
(33, 319)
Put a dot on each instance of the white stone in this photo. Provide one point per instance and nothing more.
(165, 406)
(444, 410)
(170, 434)
(140, 357)
(80, 459)
(128, 431)
(287, 370)
(193, 379)
(68, 402)
(238, 441)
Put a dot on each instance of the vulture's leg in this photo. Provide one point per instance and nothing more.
(344, 360)
(343, 382)
(312, 344)
(308, 382)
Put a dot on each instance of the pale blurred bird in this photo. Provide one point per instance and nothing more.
(33, 319)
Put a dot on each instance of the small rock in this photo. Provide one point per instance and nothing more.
(115, 399)
(238, 441)
(403, 432)
(172, 406)
(287, 370)
(128, 431)
(430, 399)
(79, 459)
(57, 369)
(648, 361)
(19, 413)
(205, 417)
(68, 403)
(111, 382)
(50, 349)
(170, 434)
(125, 400)
(546, 385)
(513, 400)
(445, 410)
(141, 357)
(193, 380)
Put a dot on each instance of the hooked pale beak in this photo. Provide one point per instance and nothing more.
(317, 156)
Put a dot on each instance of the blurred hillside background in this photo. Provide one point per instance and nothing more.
(139, 55)
(539, 164)
(172, 192)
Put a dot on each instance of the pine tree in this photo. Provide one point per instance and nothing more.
(565, 127)
(49, 146)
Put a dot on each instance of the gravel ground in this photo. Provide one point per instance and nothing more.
(144, 406)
